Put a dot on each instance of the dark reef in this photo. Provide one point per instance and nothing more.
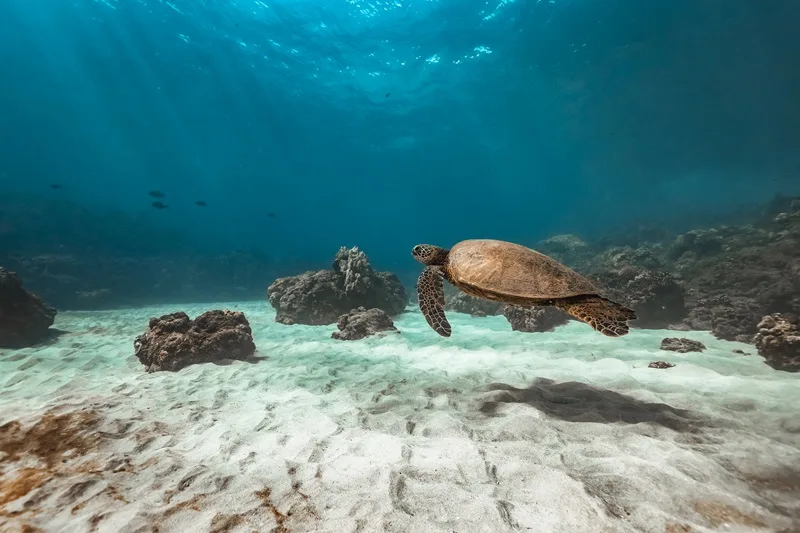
(24, 319)
(320, 297)
(174, 341)
(722, 279)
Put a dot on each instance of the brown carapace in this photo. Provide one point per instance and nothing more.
(513, 274)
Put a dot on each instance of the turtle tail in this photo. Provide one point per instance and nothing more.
(606, 316)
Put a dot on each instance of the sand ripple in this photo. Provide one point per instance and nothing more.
(488, 431)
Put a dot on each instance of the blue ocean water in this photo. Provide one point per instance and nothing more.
(384, 124)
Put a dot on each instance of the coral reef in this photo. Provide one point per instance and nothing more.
(321, 297)
(534, 319)
(361, 322)
(682, 345)
(721, 279)
(24, 319)
(174, 341)
(655, 295)
(778, 341)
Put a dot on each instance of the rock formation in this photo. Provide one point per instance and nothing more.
(660, 365)
(24, 319)
(682, 345)
(174, 341)
(464, 303)
(534, 319)
(721, 279)
(361, 322)
(320, 297)
(778, 341)
(654, 294)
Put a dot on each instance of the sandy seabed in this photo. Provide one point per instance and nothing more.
(488, 431)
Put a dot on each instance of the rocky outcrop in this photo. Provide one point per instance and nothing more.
(727, 318)
(778, 341)
(735, 275)
(464, 303)
(535, 319)
(24, 319)
(660, 365)
(568, 249)
(656, 296)
(682, 345)
(321, 297)
(174, 341)
(361, 322)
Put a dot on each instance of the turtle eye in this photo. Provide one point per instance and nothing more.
(416, 250)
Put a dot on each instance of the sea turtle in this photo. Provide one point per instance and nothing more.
(510, 273)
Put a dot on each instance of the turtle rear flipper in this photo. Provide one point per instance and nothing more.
(605, 316)
(430, 291)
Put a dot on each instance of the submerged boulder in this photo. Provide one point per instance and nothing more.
(727, 318)
(24, 318)
(461, 302)
(361, 322)
(320, 297)
(174, 341)
(682, 345)
(660, 365)
(778, 341)
(535, 319)
(655, 295)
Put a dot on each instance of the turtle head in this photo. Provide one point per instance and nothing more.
(429, 255)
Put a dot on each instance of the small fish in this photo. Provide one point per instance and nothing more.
(271, 215)
(56, 186)
(201, 203)
(159, 205)
(156, 194)
(388, 95)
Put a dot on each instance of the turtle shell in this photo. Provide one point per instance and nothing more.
(511, 272)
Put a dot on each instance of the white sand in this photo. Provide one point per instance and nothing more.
(405, 433)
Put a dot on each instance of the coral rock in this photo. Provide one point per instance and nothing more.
(655, 295)
(464, 303)
(175, 341)
(682, 345)
(361, 322)
(24, 318)
(660, 364)
(534, 319)
(727, 318)
(320, 297)
(778, 341)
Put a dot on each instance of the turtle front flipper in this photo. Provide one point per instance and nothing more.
(605, 316)
(430, 290)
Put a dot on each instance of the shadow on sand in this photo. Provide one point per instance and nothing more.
(574, 401)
